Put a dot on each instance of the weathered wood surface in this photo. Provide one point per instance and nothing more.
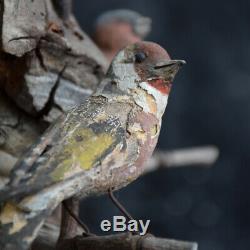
(37, 45)
(125, 241)
(47, 65)
(47, 239)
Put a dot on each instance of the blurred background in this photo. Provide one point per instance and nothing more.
(209, 104)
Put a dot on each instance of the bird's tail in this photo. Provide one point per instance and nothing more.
(20, 221)
(18, 228)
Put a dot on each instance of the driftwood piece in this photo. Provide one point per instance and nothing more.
(17, 132)
(47, 65)
(23, 19)
(125, 241)
(48, 236)
(37, 44)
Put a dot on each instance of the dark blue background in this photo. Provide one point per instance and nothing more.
(209, 104)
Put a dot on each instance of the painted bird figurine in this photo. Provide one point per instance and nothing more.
(115, 29)
(100, 144)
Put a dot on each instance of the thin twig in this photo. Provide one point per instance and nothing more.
(203, 156)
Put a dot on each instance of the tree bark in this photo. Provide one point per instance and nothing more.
(125, 241)
(47, 65)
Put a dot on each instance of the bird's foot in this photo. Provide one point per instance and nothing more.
(119, 205)
(121, 208)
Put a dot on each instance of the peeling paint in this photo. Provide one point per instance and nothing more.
(101, 117)
(84, 153)
(12, 214)
(154, 130)
(137, 131)
(151, 103)
(139, 96)
(161, 99)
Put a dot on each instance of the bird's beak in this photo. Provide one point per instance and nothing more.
(170, 63)
(168, 69)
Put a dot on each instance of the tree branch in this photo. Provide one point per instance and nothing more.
(196, 156)
(124, 241)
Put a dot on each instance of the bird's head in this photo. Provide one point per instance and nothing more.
(116, 29)
(144, 69)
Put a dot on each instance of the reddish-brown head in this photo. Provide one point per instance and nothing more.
(143, 63)
(145, 72)
(154, 66)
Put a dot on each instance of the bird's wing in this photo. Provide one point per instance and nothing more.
(74, 145)
(86, 136)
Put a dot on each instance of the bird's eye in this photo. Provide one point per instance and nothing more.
(140, 57)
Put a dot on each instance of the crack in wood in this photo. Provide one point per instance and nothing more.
(50, 102)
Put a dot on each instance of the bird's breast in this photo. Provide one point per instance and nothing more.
(150, 128)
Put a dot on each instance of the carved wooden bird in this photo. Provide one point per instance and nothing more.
(100, 144)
